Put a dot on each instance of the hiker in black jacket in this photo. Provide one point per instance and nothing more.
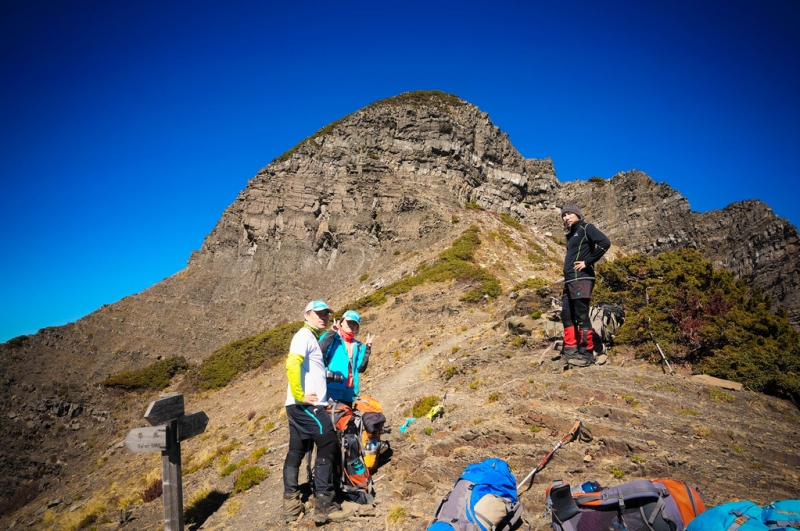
(585, 245)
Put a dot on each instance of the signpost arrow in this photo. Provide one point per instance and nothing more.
(191, 425)
(166, 408)
(147, 439)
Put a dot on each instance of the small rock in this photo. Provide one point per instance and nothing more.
(77, 506)
(587, 458)
(651, 443)
(57, 501)
(668, 432)
(40, 510)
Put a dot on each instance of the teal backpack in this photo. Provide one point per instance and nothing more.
(747, 516)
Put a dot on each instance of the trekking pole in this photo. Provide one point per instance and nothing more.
(663, 357)
(568, 437)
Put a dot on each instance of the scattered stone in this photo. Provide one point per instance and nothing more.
(587, 458)
(705, 379)
(668, 432)
(53, 503)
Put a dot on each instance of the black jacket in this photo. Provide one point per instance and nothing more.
(585, 243)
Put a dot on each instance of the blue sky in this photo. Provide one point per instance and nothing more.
(126, 128)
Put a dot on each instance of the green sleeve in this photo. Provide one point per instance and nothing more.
(293, 372)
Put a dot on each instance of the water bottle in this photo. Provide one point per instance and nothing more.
(590, 486)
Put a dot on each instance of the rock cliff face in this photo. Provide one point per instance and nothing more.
(385, 180)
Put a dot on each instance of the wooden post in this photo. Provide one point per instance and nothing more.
(173, 480)
(170, 427)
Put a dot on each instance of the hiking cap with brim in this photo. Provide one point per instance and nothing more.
(317, 306)
(352, 315)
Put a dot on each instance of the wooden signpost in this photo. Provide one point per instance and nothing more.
(170, 427)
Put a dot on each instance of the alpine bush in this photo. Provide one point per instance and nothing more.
(246, 354)
(155, 376)
(704, 316)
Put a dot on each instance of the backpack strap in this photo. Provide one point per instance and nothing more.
(564, 506)
(739, 521)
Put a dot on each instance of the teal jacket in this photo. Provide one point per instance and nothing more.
(337, 361)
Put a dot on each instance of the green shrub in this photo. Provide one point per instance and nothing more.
(428, 430)
(511, 222)
(536, 315)
(531, 283)
(505, 238)
(363, 277)
(702, 315)
(423, 405)
(256, 455)
(246, 354)
(616, 472)
(155, 376)
(455, 219)
(249, 477)
(597, 180)
(473, 206)
(451, 371)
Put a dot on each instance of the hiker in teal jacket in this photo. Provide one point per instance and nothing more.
(346, 357)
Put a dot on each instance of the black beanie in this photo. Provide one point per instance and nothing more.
(571, 207)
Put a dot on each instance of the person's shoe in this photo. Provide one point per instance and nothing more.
(579, 362)
(326, 511)
(292, 506)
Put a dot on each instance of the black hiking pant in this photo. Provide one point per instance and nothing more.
(309, 426)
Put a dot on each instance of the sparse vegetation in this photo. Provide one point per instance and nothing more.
(451, 371)
(616, 472)
(494, 397)
(474, 385)
(690, 412)
(473, 206)
(206, 458)
(16, 342)
(428, 430)
(155, 376)
(504, 238)
(530, 283)
(455, 349)
(597, 180)
(396, 514)
(630, 400)
(454, 263)
(363, 277)
(455, 219)
(718, 395)
(511, 222)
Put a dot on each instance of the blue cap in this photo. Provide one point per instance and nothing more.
(316, 306)
(352, 315)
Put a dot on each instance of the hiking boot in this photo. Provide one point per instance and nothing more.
(569, 353)
(292, 506)
(326, 511)
(579, 362)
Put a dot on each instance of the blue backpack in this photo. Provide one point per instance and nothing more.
(484, 498)
(747, 516)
